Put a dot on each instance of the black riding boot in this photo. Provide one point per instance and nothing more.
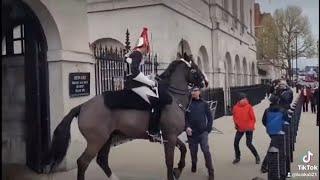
(154, 129)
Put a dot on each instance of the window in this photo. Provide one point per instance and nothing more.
(225, 10)
(18, 39)
(235, 13)
(241, 12)
(13, 42)
(250, 21)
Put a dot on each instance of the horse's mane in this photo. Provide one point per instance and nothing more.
(173, 65)
(170, 69)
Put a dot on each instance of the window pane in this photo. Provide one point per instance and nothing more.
(17, 47)
(4, 50)
(23, 49)
(22, 33)
(17, 32)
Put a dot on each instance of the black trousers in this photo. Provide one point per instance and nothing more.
(305, 104)
(194, 142)
(237, 138)
(313, 108)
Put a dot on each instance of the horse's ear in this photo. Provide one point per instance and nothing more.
(191, 58)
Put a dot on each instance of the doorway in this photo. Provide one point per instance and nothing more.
(25, 104)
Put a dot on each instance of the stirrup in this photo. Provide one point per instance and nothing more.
(156, 138)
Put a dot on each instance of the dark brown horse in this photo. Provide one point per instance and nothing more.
(99, 124)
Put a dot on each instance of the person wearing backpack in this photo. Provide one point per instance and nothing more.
(273, 119)
(244, 120)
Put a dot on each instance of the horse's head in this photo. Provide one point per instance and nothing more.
(185, 66)
(194, 75)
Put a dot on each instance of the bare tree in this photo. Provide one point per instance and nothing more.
(267, 42)
(292, 24)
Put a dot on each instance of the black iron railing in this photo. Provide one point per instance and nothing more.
(111, 68)
(215, 94)
(255, 93)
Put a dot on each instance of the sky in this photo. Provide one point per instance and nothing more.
(303, 62)
(309, 8)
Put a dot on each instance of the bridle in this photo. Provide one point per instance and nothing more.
(178, 91)
(181, 92)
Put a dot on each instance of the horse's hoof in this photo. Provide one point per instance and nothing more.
(176, 173)
(113, 177)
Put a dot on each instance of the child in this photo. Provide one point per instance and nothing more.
(273, 119)
(244, 120)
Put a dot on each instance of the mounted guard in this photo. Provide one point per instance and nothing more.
(143, 85)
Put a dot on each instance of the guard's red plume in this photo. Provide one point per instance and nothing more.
(143, 40)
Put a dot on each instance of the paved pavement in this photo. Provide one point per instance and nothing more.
(141, 160)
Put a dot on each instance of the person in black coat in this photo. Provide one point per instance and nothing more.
(198, 126)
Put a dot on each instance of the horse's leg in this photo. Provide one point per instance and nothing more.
(169, 153)
(102, 159)
(182, 163)
(83, 162)
(86, 157)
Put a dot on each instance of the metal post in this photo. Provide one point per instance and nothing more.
(296, 53)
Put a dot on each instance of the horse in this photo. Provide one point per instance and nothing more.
(99, 124)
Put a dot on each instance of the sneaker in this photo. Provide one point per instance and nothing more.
(211, 174)
(211, 177)
(235, 161)
(194, 168)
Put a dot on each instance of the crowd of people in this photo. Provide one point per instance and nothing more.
(280, 95)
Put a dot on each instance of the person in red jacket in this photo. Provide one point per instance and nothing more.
(244, 120)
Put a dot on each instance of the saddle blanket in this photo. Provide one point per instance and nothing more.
(128, 99)
(125, 99)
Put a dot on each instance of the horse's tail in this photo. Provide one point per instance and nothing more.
(61, 139)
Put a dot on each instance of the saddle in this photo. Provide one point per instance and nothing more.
(128, 99)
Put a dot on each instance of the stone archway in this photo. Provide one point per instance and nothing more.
(228, 80)
(25, 73)
(237, 69)
(109, 42)
(229, 69)
(253, 73)
(245, 71)
(203, 60)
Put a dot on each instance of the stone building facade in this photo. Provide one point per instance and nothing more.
(43, 41)
(272, 70)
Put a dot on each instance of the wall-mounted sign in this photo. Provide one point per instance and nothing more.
(79, 84)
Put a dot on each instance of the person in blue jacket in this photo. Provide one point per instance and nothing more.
(198, 126)
(273, 119)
